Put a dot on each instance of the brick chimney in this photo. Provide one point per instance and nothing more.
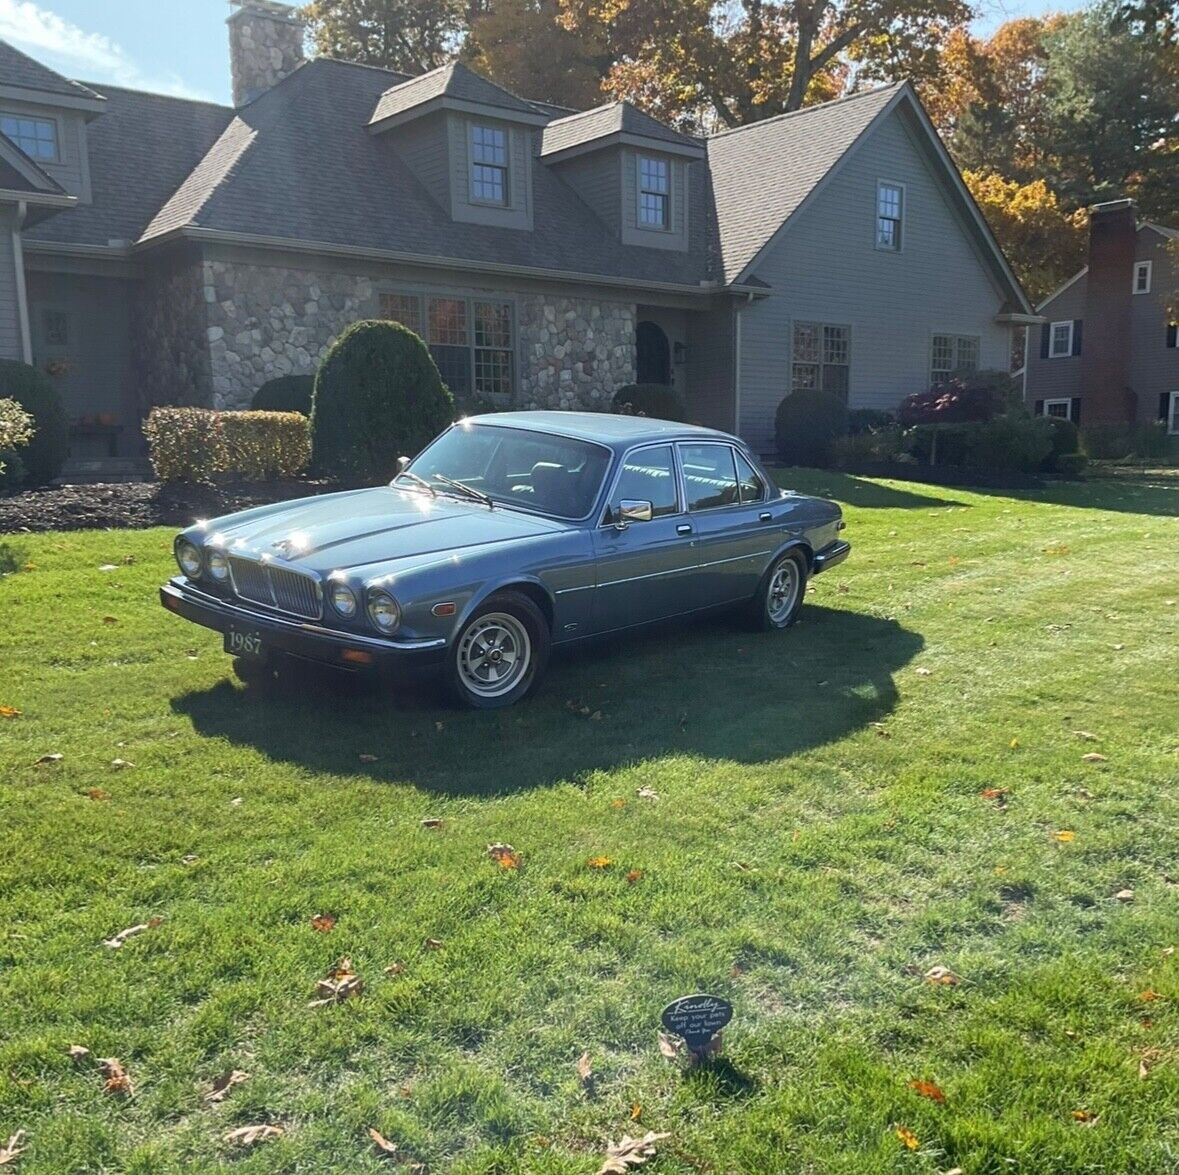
(1105, 347)
(265, 45)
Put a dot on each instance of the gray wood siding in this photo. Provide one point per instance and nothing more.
(597, 178)
(1154, 367)
(825, 268)
(424, 147)
(10, 332)
(674, 238)
(712, 364)
(72, 171)
(518, 213)
(1056, 379)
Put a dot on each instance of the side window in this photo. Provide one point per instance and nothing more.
(649, 476)
(710, 478)
(753, 488)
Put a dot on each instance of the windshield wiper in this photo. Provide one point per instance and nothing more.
(463, 488)
(420, 480)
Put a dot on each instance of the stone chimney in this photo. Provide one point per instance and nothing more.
(265, 45)
(1105, 343)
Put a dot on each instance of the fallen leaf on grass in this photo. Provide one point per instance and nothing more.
(599, 862)
(367, 758)
(619, 803)
(1085, 1117)
(381, 1142)
(927, 1089)
(505, 856)
(636, 1111)
(942, 976)
(13, 1148)
(1015, 744)
(340, 984)
(911, 1141)
(107, 567)
(395, 969)
(1168, 952)
(434, 944)
(742, 866)
(96, 793)
(9, 712)
(585, 1070)
(323, 923)
(669, 1047)
(1094, 757)
(1149, 996)
(45, 760)
(994, 793)
(249, 1135)
(633, 876)
(646, 793)
(120, 764)
(118, 1081)
(236, 802)
(1124, 895)
(224, 1084)
(921, 671)
(432, 822)
(1118, 648)
(78, 1052)
(131, 931)
(623, 1156)
(110, 620)
(1085, 736)
(1065, 836)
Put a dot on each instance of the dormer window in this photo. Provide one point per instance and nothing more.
(489, 165)
(36, 137)
(654, 193)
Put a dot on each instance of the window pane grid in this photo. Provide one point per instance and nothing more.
(489, 164)
(493, 324)
(654, 192)
(448, 321)
(821, 355)
(36, 137)
(403, 308)
(889, 213)
(950, 353)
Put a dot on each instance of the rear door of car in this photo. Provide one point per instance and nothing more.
(731, 520)
(646, 570)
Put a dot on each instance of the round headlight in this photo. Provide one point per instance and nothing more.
(218, 566)
(343, 600)
(383, 611)
(188, 555)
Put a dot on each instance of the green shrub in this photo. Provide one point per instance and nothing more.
(1013, 441)
(1069, 465)
(805, 425)
(377, 395)
(1113, 442)
(194, 444)
(868, 420)
(654, 400)
(1066, 437)
(286, 393)
(865, 448)
(33, 390)
(12, 471)
(16, 430)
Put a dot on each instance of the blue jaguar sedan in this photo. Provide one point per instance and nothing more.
(507, 535)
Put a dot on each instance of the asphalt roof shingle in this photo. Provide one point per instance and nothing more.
(448, 81)
(603, 121)
(18, 69)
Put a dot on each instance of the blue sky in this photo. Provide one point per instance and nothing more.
(179, 46)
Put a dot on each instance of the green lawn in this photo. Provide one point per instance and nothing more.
(819, 842)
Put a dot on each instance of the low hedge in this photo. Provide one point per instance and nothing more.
(198, 445)
(657, 401)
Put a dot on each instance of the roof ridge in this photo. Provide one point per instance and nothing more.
(843, 98)
(156, 94)
(591, 110)
(398, 73)
(84, 90)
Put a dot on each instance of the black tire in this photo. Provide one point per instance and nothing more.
(769, 611)
(479, 675)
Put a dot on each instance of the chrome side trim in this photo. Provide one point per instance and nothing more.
(649, 575)
(734, 559)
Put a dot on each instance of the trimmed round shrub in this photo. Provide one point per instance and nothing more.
(805, 425)
(378, 395)
(657, 401)
(33, 390)
(286, 393)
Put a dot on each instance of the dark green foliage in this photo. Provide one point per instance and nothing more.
(1114, 442)
(1011, 441)
(12, 470)
(1070, 465)
(654, 400)
(33, 390)
(377, 395)
(287, 393)
(805, 425)
(861, 420)
(1066, 437)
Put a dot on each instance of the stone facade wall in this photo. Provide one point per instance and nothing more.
(169, 347)
(265, 44)
(574, 352)
(265, 321)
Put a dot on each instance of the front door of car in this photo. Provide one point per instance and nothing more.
(731, 521)
(645, 568)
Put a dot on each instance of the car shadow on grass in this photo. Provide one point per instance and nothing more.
(707, 689)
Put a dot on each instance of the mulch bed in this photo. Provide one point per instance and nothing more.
(130, 505)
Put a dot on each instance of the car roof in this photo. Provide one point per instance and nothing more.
(604, 428)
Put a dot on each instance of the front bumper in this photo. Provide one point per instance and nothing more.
(831, 555)
(300, 638)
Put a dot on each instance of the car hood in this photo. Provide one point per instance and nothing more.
(337, 532)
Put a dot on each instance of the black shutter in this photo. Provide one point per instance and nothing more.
(1164, 405)
(1173, 334)
(1039, 408)
(1074, 410)
(1076, 336)
(1045, 334)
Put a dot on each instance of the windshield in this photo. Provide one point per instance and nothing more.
(536, 471)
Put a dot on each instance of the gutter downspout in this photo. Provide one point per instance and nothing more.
(22, 295)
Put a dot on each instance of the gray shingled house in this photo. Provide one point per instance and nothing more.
(155, 250)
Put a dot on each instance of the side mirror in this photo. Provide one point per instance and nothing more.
(402, 464)
(632, 510)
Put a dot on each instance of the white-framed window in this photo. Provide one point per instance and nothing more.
(654, 190)
(1061, 409)
(1060, 339)
(821, 358)
(1173, 415)
(489, 165)
(1142, 277)
(950, 353)
(472, 340)
(890, 215)
(36, 137)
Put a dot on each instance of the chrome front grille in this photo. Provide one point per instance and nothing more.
(276, 587)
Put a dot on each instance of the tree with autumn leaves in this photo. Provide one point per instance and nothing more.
(1044, 116)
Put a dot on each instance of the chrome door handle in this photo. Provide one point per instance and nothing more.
(684, 528)
(766, 516)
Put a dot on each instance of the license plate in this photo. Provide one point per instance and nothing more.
(242, 642)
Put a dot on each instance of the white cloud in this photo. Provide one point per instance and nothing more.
(73, 51)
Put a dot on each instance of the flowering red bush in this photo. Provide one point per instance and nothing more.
(951, 402)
